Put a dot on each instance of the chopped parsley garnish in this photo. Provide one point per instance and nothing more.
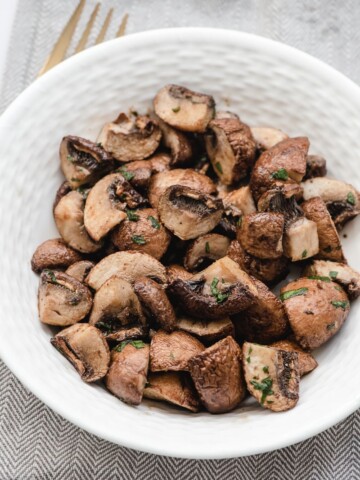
(339, 289)
(51, 275)
(135, 343)
(239, 222)
(139, 239)
(70, 159)
(293, 293)
(351, 198)
(218, 167)
(154, 222)
(132, 216)
(248, 357)
(176, 109)
(207, 247)
(83, 191)
(99, 144)
(304, 254)
(281, 174)
(266, 369)
(333, 274)
(220, 297)
(105, 326)
(319, 277)
(265, 386)
(330, 326)
(73, 179)
(127, 175)
(340, 304)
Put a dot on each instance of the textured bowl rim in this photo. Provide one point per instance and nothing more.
(288, 53)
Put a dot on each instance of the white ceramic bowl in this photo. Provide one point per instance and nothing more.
(266, 83)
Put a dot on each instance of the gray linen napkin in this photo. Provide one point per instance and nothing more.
(36, 443)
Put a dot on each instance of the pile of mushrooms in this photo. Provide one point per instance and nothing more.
(174, 227)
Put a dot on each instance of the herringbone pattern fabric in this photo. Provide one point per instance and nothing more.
(35, 443)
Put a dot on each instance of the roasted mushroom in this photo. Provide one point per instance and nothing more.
(155, 303)
(160, 162)
(218, 377)
(211, 246)
(172, 351)
(69, 219)
(179, 176)
(62, 299)
(63, 190)
(272, 376)
(267, 137)
(80, 270)
(177, 142)
(307, 362)
(231, 149)
(189, 213)
(340, 273)
(53, 254)
(241, 199)
(340, 198)
(137, 173)
(128, 139)
(184, 109)
(86, 348)
(174, 272)
(329, 241)
(126, 377)
(127, 265)
(208, 331)
(315, 166)
(83, 162)
(142, 231)
(172, 387)
(264, 321)
(316, 310)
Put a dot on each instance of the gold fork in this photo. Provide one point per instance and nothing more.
(61, 46)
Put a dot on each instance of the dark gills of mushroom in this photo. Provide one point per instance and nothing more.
(155, 303)
(315, 167)
(69, 219)
(106, 204)
(128, 139)
(267, 137)
(261, 234)
(284, 162)
(179, 144)
(316, 310)
(189, 213)
(231, 149)
(307, 362)
(340, 273)
(172, 387)
(126, 377)
(264, 321)
(341, 199)
(83, 162)
(209, 247)
(183, 108)
(53, 254)
(218, 377)
(127, 265)
(272, 376)
(268, 271)
(207, 331)
(80, 270)
(220, 290)
(62, 299)
(179, 176)
(116, 307)
(329, 241)
(86, 348)
(142, 231)
(172, 351)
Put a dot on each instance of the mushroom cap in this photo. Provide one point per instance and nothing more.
(69, 219)
(211, 246)
(179, 144)
(61, 192)
(86, 348)
(155, 303)
(128, 139)
(208, 331)
(240, 198)
(126, 377)
(315, 167)
(179, 176)
(142, 231)
(172, 351)
(127, 265)
(55, 254)
(218, 377)
(316, 310)
(267, 137)
(231, 149)
(183, 108)
(272, 376)
(80, 270)
(189, 213)
(307, 362)
(62, 300)
(329, 241)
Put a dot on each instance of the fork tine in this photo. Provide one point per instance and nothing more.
(102, 33)
(84, 37)
(63, 42)
(122, 27)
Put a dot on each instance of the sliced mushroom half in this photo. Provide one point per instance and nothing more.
(267, 137)
(207, 331)
(53, 254)
(211, 246)
(272, 376)
(307, 362)
(183, 108)
(80, 270)
(189, 213)
(218, 377)
(83, 162)
(128, 139)
(179, 144)
(62, 299)
(86, 348)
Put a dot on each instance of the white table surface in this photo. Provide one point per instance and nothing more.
(7, 15)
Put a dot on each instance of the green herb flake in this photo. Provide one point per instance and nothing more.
(127, 175)
(281, 174)
(132, 216)
(99, 144)
(333, 274)
(339, 289)
(319, 277)
(351, 198)
(135, 343)
(239, 222)
(84, 192)
(219, 167)
(304, 254)
(176, 109)
(220, 297)
(70, 159)
(265, 386)
(293, 293)
(330, 326)
(154, 222)
(73, 179)
(266, 369)
(340, 304)
(138, 239)
(104, 326)
(51, 275)
(270, 401)
(248, 359)
(207, 247)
